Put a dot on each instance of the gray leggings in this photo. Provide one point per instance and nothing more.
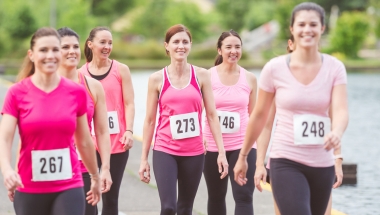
(300, 189)
(61, 203)
(168, 169)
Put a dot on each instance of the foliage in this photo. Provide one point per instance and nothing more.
(232, 13)
(349, 35)
(111, 9)
(258, 14)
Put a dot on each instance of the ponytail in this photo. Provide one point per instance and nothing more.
(87, 51)
(27, 69)
(218, 60)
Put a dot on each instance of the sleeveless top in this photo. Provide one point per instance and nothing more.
(90, 109)
(112, 85)
(179, 130)
(232, 106)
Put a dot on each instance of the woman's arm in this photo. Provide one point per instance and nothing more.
(252, 81)
(102, 133)
(212, 118)
(129, 105)
(256, 123)
(149, 124)
(12, 179)
(86, 150)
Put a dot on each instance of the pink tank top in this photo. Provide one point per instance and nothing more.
(232, 106)
(179, 130)
(112, 86)
(90, 109)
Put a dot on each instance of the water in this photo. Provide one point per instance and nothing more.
(361, 142)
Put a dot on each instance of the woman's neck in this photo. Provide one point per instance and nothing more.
(98, 64)
(228, 68)
(46, 82)
(69, 73)
(306, 56)
(178, 67)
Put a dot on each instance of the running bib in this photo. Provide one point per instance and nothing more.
(92, 127)
(113, 122)
(229, 121)
(184, 125)
(51, 165)
(310, 129)
(79, 157)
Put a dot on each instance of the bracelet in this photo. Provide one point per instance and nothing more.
(129, 131)
(338, 157)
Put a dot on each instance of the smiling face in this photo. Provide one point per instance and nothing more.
(179, 46)
(46, 54)
(307, 29)
(101, 45)
(230, 49)
(70, 51)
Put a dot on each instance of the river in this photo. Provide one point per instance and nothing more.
(360, 143)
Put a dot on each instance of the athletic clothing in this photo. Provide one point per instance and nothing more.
(117, 166)
(294, 99)
(217, 188)
(113, 89)
(232, 104)
(70, 201)
(180, 111)
(168, 169)
(48, 161)
(90, 110)
(300, 189)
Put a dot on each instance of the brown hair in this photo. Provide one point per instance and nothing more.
(27, 68)
(87, 50)
(173, 30)
(288, 49)
(224, 35)
(308, 6)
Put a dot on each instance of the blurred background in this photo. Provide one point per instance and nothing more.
(138, 27)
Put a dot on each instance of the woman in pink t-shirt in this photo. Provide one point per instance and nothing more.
(96, 109)
(48, 110)
(178, 91)
(234, 90)
(116, 80)
(306, 85)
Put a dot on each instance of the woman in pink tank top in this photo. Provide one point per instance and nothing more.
(234, 91)
(96, 109)
(309, 89)
(178, 91)
(116, 80)
(49, 111)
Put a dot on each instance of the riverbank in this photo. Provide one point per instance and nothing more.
(11, 66)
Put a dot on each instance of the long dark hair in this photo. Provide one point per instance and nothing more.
(28, 68)
(224, 35)
(65, 31)
(87, 50)
(308, 6)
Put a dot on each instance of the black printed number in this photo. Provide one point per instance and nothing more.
(313, 129)
(228, 122)
(110, 122)
(185, 123)
(52, 162)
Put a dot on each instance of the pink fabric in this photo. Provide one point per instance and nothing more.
(233, 98)
(46, 121)
(175, 101)
(90, 110)
(292, 98)
(112, 86)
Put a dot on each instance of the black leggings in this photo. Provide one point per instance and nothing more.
(217, 188)
(89, 209)
(61, 203)
(117, 166)
(170, 168)
(300, 189)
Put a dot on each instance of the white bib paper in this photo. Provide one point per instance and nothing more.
(310, 129)
(92, 127)
(184, 125)
(51, 165)
(113, 122)
(229, 121)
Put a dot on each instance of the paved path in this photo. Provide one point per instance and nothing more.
(137, 198)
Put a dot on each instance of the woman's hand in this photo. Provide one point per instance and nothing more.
(106, 180)
(223, 165)
(93, 196)
(144, 171)
(338, 173)
(127, 140)
(332, 141)
(240, 170)
(11, 195)
(12, 180)
(260, 175)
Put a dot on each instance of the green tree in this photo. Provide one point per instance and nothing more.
(23, 24)
(111, 9)
(258, 14)
(232, 13)
(349, 34)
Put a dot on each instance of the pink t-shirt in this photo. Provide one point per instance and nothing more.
(113, 89)
(174, 102)
(47, 122)
(294, 98)
(234, 99)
